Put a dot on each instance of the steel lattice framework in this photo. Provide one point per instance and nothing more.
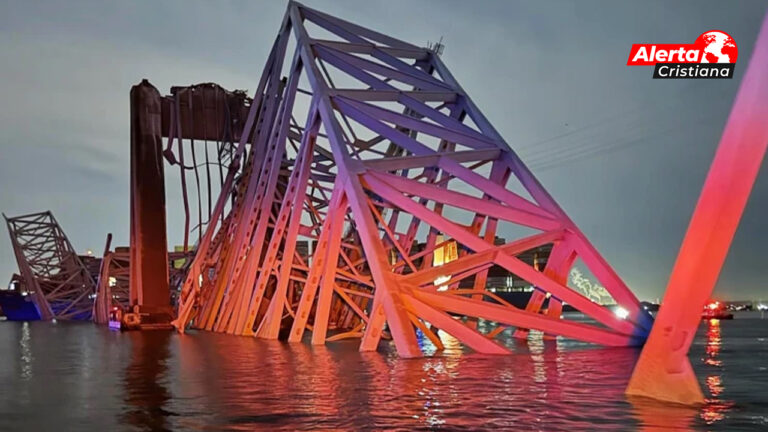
(112, 282)
(55, 276)
(392, 156)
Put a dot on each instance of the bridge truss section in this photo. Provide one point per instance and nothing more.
(366, 151)
(54, 275)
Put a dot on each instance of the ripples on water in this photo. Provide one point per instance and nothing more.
(83, 377)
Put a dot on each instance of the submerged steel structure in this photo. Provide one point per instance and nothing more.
(196, 118)
(664, 371)
(390, 155)
(55, 277)
(112, 282)
(377, 216)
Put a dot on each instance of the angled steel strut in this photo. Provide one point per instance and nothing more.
(663, 370)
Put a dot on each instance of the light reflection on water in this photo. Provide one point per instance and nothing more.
(86, 377)
(716, 409)
(25, 360)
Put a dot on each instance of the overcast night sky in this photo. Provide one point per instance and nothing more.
(550, 75)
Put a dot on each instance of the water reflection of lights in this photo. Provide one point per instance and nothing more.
(715, 409)
(713, 343)
(714, 385)
(536, 349)
(453, 347)
(431, 388)
(26, 352)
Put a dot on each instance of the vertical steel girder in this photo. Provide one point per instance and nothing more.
(663, 370)
(205, 113)
(149, 247)
(392, 154)
(59, 283)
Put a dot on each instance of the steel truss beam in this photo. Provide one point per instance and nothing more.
(112, 282)
(392, 156)
(54, 275)
(113, 279)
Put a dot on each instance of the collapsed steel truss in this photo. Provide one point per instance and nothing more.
(112, 282)
(58, 281)
(392, 154)
(344, 225)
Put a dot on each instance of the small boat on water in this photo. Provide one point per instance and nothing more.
(138, 319)
(716, 310)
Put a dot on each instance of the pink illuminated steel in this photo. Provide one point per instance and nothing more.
(664, 371)
(364, 151)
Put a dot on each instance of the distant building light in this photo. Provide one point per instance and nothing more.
(444, 254)
(440, 281)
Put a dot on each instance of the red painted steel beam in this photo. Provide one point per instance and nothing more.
(520, 318)
(663, 370)
(149, 247)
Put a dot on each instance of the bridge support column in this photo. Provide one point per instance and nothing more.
(149, 247)
(663, 370)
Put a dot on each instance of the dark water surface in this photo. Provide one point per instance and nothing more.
(68, 376)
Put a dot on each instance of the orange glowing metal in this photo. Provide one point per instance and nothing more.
(382, 170)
